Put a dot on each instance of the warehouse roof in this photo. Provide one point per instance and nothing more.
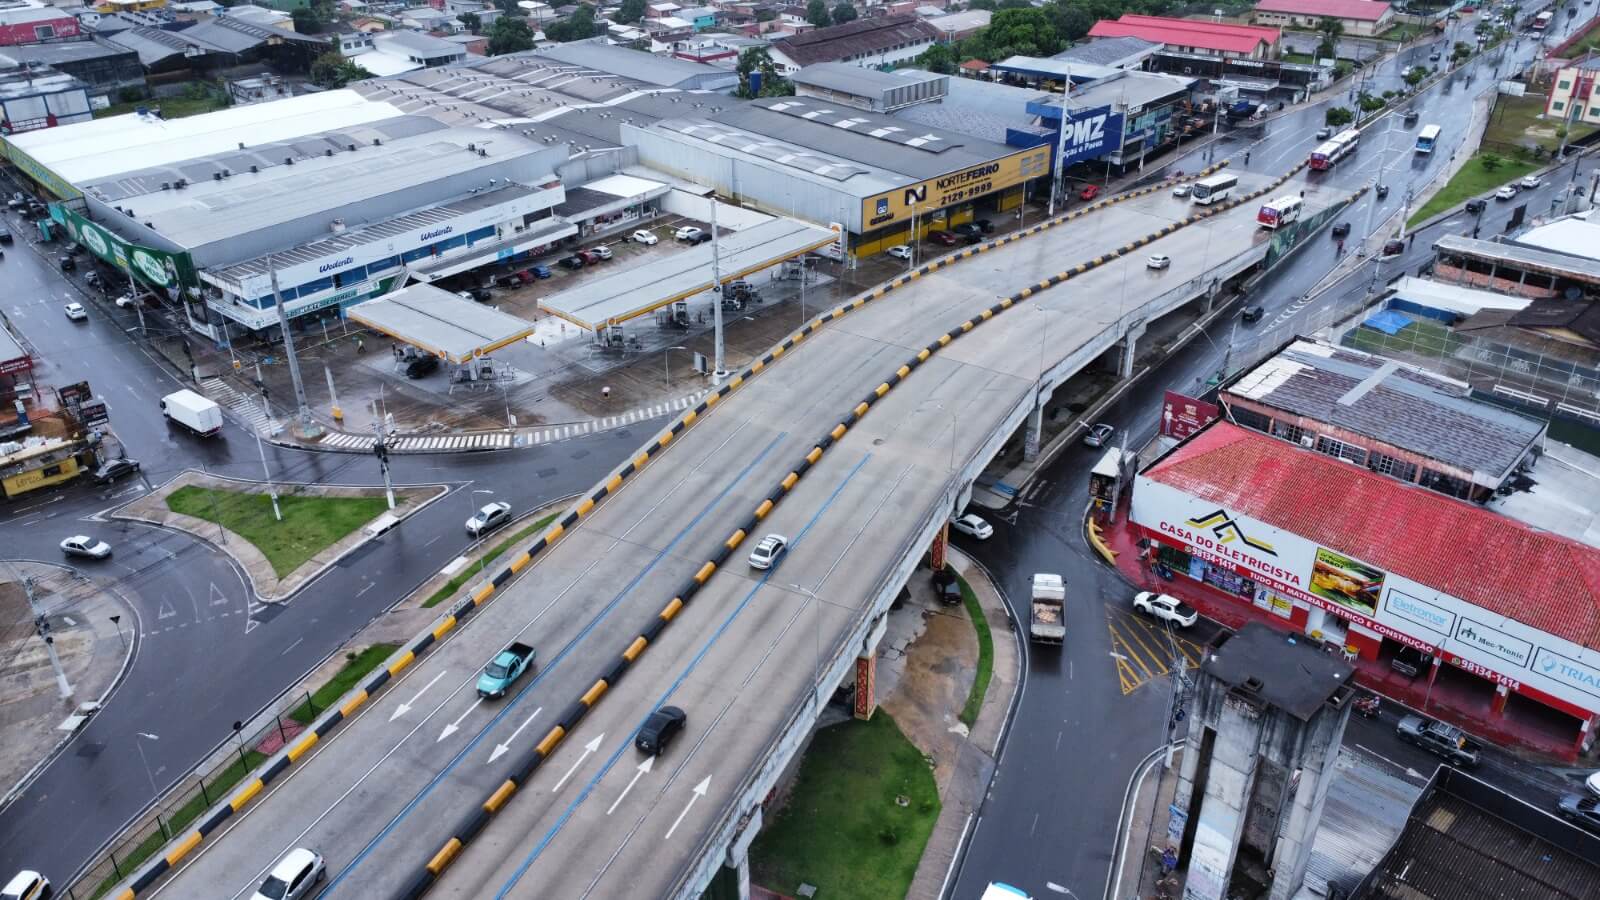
(443, 324)
(63, 51)
(640, 291)
(77, 152)
(1492, 561)
(1199, 33)
(858, 38)
(1360, 10)
(858, 81)
(961, 21)
(1397, 404)
(663, 71)
(1532, 259)
(415, 43)
(1108, 51)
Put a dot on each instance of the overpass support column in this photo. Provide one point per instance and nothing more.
(867, 672)
(1128, 349)
(1033, 434)
(733, 882)
(1212, 293)
(941, 541)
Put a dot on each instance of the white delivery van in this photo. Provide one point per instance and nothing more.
(192, 411)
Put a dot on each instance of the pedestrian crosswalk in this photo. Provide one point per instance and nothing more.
(247, 408)
(495, 440)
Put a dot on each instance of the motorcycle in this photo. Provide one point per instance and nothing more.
(1368, 706)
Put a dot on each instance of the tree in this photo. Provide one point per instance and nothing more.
(843, 13)
(756, 60)
(1461, 51)
(330, 70)
(470, 22)
(1330, 29)
(510, 34)
(307, 19)
(631, 12)
(576, 27)
(981, 4)
(766, 14)
(1014, 32)
(940, 59)
(1490, 162)
(1414, 75)
(817, 13)
(1337, 116)
(1072, 22)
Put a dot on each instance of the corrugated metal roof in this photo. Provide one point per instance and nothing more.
(863, 36)
(1365, 811)
(1492, 561)
(1187, 32)
(448, 326)
(1359, 10)
(1531, 259)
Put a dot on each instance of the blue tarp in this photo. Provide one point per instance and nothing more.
(1389, 321)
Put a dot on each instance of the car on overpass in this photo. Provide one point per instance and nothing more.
(769, 551)
(658, 731)
(294, 877)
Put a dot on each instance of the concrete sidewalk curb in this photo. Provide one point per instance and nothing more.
(245, 556)
(22, 784)
(1123, 837)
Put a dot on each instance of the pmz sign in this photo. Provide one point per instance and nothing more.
(1091, 134)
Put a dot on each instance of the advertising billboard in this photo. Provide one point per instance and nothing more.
(956, 187)
(1381, 602)
(157, 268)
(1090, 134)
(1182, 415)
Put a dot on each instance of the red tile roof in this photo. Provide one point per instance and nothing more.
(1187, 32)
(1492, 561)
(1359, 10)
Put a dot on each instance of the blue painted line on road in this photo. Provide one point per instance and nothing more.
(628, 739)
(546, 670)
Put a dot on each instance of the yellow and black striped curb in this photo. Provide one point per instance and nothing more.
(462, 609)
(474, 823)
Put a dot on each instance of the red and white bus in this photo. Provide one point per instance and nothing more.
(1542, 20)
(1334, 149)
(1279, 212)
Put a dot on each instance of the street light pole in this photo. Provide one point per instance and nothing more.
(719, 369)
(308, 428)
(41, 625)
(139, 738)
(477, 538)
(266, 473)
(1056, 166)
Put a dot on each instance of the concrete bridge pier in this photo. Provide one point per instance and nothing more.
(867, 671)
(1033, 433)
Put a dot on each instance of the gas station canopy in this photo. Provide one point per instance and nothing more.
(629, 294)
(441, 323)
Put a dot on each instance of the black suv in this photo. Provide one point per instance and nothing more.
(112, 469)
(969, 230)
(946, 587)
(659, 730)
(1476, 206)
(421, 365)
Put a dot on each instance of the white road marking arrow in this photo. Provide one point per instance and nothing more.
(699, 791)
(406, 706)
(588, 748)
(639, 773)
(501, 749)
(455, 726)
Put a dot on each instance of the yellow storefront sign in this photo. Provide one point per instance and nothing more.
(956, 187)
(44, 476)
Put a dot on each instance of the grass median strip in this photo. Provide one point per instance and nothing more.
(980, 680)
(474, 570)
(310, 524)
(861, 811)
(1475, 178)
(355, 669)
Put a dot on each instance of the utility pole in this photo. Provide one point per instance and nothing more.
(719, 369)
(1056, 165)
(308, 428)
(133, 294)
(42, 626)
(381, 450)
(266, 473)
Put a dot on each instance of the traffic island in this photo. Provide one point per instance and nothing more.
(320, 523)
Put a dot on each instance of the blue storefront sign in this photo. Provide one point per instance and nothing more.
(1090, 133)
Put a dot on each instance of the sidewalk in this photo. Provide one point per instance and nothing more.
(35, 722)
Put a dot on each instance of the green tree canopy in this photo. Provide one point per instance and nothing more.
(631, 12)
(1015, 32)
(817, 13)
(576, 27)
(330, 70)
(843, 13)
(773, 84)
(471, 22)
(1338, 116)
(940, 59)
(510, 34)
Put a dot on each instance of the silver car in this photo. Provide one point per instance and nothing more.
(85, 546)
(769, 551)
(492, 516)
(295, 876)
(1099, 435)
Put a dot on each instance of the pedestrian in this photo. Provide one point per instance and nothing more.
(605, 393)
(360, 346)
(1247, 157)
(1412, 240)
(1340, 246)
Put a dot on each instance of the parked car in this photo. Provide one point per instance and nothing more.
(1158, 261)
(490, 517)
(970, 231)
(112, 469)
(1593, 783)
(76, 312)
(899, 251)
(1166, 608)
(294, 877)
(1252, 313)
(86, 546)
(5, 235)
(91, 278)
(573, 262)
(66, 262)
(589, 257)
(601, 251)
(946, 587)
(1476, 206)
(687, 233)
(1581, 810)
(769, 551)
(480, 295)
(1181, 190)
(26, 885)
(984, 225)
(540, 271)
(659, 730)
(973, 525)
(1529, 181)
(1089, 192)
(942, 238)
(1439, 739)
(1099, 435)
(422, 366)
(503, 671)
(127, 301)
(1434, 56)
(1506, 193)
(642, 236)
(701, 238)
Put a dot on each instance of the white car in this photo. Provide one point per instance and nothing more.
(973, 525)
(769, 551)
(601, 250)
(492, 516)
(1158, 261)
(1529, 181)
(84, 545)
(1508, 192)
(1593, 783)
(899, 251)
(76, 312)
(26, 885)
(1099, 435)
(295, 876)
(647, 238)
(1181, 190)
(127, 301)
(1165, 608)
(687, 233)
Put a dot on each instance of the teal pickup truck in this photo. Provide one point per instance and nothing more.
(503, 671)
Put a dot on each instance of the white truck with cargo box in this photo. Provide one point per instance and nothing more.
(1049, 621)
(192, 411)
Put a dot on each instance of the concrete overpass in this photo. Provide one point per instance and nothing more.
(859, 452)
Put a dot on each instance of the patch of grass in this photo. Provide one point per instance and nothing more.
(980, 681)
(310, 524)
(171, 107)
(1302, 58)
(843, 829)
(355, 668)
(1472, 180)
(1521, 121)
(1420, 337)
(476, 569)
(215, 787)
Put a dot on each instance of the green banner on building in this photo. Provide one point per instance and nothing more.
(157, 268)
